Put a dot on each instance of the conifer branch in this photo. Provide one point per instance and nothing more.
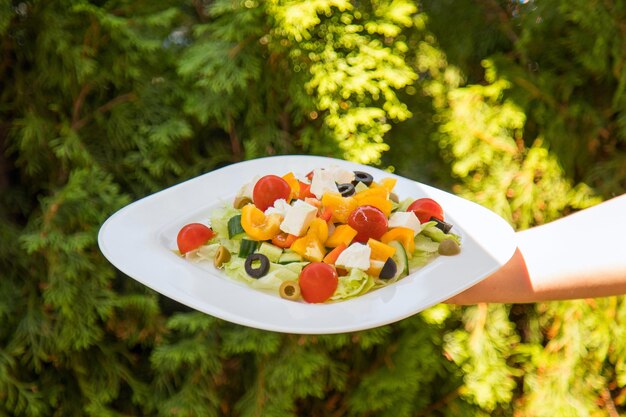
(609, 404)
(235, 145)
(4, 165)
(200, 10)
(78, 103)
(79, 124)
(495, 143)
(442, 402)
(503, 17)
(6, 56)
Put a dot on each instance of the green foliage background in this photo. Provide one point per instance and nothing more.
(518, 105)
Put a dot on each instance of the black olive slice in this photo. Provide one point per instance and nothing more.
(257, 265)
(441, 225)
(389, 269)
(364, 177)
(346, 190)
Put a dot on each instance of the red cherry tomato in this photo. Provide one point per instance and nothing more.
(192, 236)
(425, 208)
(318, 282)
(268, 189)
(284, 240)
(369, 222)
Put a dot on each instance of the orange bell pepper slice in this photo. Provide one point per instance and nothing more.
(332, 256)
(380, 251)
(259, 226)
(375, 268)
(377, 197)
(386, 183)
(343, 233)
(404, 235)
(294, 184)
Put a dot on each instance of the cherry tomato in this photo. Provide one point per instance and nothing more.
(284, 240)
(425, 208)
(318, 282)
(369, 222)
(192, 236)
(268, 189)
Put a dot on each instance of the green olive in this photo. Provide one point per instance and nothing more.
(289, 290)
(241, 201)
(449, 247)
(221, 257)
(394, 197)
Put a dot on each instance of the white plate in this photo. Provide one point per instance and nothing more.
(139, 240)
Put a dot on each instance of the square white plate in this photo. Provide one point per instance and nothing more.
(139, 240)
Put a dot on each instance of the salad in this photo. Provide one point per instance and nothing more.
(331, 235)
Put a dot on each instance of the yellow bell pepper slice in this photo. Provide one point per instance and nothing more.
(311, 245)
(404, 235)
(380, 192)
(343, 233)
(388, 184)
(294, 184)
(318, 228)
(340, 207)
(259, 226)
(377, 197)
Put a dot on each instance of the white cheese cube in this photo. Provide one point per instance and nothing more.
(281, 206)
(357, 255)
(406, 219)
(341, 175)
(298, 218)
(323, 182)
(247, 189)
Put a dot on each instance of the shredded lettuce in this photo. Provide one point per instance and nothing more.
(219, 224)
(434, 233)
(357, 282)
(203, 253)
(425, 244)
(420, 259)
(404, 204)
(276, 275)
(219, 219)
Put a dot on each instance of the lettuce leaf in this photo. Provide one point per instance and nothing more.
(276, 275)
(357, 282)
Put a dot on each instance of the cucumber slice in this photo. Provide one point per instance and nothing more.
(272, 252)
(234, 226)
(288, 257)
(401, 259)
(247, 247)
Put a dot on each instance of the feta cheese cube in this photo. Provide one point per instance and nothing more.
(281, 206)
(298, 218)
(323, 182)
(247, 189)
(357, 255)
(406, 219)
(341, 175)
